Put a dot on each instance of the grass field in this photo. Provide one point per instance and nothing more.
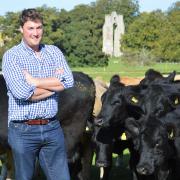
(122, 172)
(117, 172)
(126, 70)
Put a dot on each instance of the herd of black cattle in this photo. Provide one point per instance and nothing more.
(148, 113)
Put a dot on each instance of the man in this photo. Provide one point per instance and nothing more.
(34, 73)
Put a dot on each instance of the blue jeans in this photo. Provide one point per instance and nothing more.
(45, 142)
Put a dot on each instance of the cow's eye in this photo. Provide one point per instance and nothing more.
(115, 102)
(157, 145)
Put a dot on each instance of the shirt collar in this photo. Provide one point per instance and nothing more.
(30, 50)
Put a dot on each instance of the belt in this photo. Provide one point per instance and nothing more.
(36, 121)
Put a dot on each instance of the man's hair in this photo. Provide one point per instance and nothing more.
(30, 14)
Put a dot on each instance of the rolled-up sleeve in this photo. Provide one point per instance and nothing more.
(15, 78)
(67, 80)
(65, 76)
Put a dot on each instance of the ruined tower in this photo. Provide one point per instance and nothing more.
(113, 29)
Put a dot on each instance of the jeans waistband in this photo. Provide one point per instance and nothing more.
(38, 121)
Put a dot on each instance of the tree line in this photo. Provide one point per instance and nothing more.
(153, 36)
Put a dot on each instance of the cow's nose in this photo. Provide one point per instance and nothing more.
(98, 121)
(142, 170)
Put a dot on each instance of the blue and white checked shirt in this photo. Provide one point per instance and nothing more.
(22, 57)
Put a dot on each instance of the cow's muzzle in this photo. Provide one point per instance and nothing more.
(98, 121)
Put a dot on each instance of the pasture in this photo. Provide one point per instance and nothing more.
(117, 172)
(116, 66)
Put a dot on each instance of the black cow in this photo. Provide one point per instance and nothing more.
(172, 121)
(5, 154)
(157, 98)
(75, 109)
(153, 76)
(155, 147)
(157, 153)
(121, 102)
(109, 124)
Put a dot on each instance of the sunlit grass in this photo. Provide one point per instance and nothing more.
(127, 70)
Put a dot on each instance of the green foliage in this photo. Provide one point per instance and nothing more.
(149, 37)
(78, 33)
(157, 32)
(170, 36)
(128, 8)
(144, 31)
(82, 41)
(142, 57)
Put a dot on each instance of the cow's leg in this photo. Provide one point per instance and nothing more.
(87, 156)
(104, 160)
(10, 166)
(7, 169)
(3, 174)
(104, 172)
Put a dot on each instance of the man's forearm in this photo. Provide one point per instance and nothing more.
(52, 84)
(40, 94)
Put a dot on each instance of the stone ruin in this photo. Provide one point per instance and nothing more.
(113, 29)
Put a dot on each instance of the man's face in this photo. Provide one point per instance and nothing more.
(32, 33)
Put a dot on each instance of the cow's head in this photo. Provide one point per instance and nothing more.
(153, 143)
(157, 99)
(113, 104)
(116, 105)
(153, 76)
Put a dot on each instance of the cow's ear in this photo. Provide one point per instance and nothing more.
(132, 126)
(103, 96)
(115, 80)
(171, 77)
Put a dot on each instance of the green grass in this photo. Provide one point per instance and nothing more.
(122, 172)
(126, 70)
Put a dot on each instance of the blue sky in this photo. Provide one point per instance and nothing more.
(18, 5)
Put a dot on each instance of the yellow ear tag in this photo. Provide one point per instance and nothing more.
(123, 136)
(135, 100)
(176, 101)
(87, 128)
(171, 135)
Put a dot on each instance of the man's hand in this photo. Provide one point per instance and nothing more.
(30, 80)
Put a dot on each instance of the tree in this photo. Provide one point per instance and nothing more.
(78, 33)
(81, 38)
(150, 31)
(170, 36)
(128, 8)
